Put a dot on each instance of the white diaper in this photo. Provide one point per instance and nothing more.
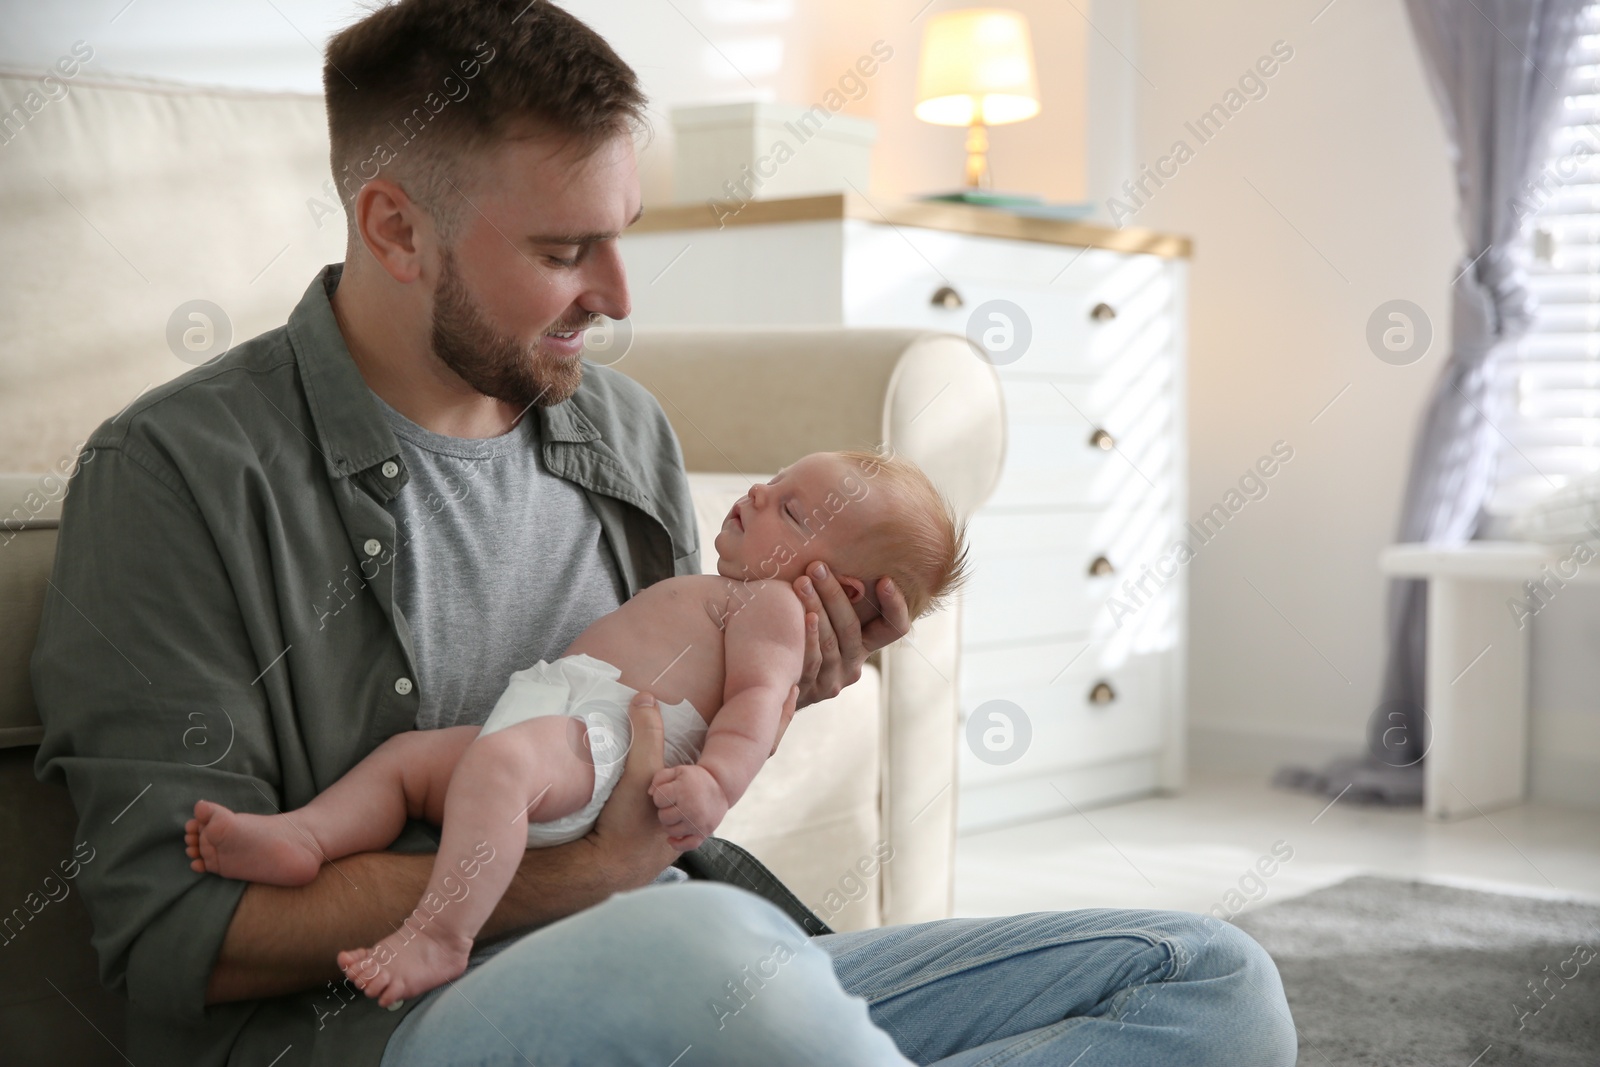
(588, 689)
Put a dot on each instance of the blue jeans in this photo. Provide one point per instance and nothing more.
(695, 973)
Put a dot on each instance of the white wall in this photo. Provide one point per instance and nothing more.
(1312, 206)
(1315, 204)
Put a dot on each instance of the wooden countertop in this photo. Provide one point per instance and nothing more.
(933, 215)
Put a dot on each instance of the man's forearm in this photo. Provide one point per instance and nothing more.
(283, 940)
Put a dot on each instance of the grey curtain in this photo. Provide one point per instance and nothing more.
(1496, 68)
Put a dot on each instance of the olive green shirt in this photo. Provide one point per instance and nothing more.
(222, 625)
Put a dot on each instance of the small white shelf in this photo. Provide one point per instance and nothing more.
(1476, 687)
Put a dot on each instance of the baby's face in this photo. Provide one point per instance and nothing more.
(811, 511)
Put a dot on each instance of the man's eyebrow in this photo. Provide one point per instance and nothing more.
(581, 238)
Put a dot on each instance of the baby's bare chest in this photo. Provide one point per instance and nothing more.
(667, 640)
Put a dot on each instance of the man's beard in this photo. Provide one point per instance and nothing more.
(492, 363)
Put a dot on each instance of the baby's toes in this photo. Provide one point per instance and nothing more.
(378, 984)
(357, 966)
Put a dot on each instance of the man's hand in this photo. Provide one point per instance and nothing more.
(628, 836)
(836, 642)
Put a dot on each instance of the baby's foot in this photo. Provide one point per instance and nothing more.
(251, 848)
(429, 959)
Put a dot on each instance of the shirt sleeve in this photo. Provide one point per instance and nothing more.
(143, 676)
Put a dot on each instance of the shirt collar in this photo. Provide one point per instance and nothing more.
(353, 431)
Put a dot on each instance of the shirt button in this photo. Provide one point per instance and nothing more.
(373, 546)
(390, 469)
(402, 686)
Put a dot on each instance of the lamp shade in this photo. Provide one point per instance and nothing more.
(977, 66)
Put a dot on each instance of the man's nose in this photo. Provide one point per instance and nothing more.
(606, 282)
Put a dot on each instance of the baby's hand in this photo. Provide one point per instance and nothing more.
(690, 803)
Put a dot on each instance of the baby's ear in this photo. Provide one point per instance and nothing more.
(854, 588)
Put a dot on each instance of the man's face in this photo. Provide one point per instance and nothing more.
(535, 262)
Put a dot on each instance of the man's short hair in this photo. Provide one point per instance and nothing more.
(419, 85)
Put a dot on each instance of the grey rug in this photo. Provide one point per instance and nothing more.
(1394, 974)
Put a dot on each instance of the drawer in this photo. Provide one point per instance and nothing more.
(1054, 456)
(1053, 574)
(1083, 705)
(1031, 577)
(1076, 332)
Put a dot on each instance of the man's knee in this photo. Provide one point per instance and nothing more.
(714, 931)
(723, 924)
(745, 981)
(1218, 952)
(640, 976)
(1220, 949)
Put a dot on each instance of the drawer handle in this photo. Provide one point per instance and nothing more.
(1102, 313)
(946, 297)
(1102, 693)
(1102, 440)
(1101, 567)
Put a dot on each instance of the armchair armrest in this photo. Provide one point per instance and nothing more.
(749, 401)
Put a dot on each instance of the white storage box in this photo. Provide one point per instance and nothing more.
(761, 151)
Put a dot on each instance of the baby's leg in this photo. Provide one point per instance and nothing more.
(405, 777)
(533, 770)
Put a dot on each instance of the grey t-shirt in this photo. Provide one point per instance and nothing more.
(498, 564)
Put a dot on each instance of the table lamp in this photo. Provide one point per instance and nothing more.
(977, 71)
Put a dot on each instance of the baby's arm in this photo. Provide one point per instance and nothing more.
(763, 646)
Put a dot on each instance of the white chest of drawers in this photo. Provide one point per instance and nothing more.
(1073, 626)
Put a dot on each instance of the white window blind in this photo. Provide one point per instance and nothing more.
(1552, 378)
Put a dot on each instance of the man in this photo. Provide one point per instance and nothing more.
(364, 521)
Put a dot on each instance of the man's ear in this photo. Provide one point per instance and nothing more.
(384, 222)
(854, 588)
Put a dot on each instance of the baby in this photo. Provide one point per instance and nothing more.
(721, 653)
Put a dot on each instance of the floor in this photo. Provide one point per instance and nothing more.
(1198, 849)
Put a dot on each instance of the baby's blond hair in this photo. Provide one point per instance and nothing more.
(918, 541)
